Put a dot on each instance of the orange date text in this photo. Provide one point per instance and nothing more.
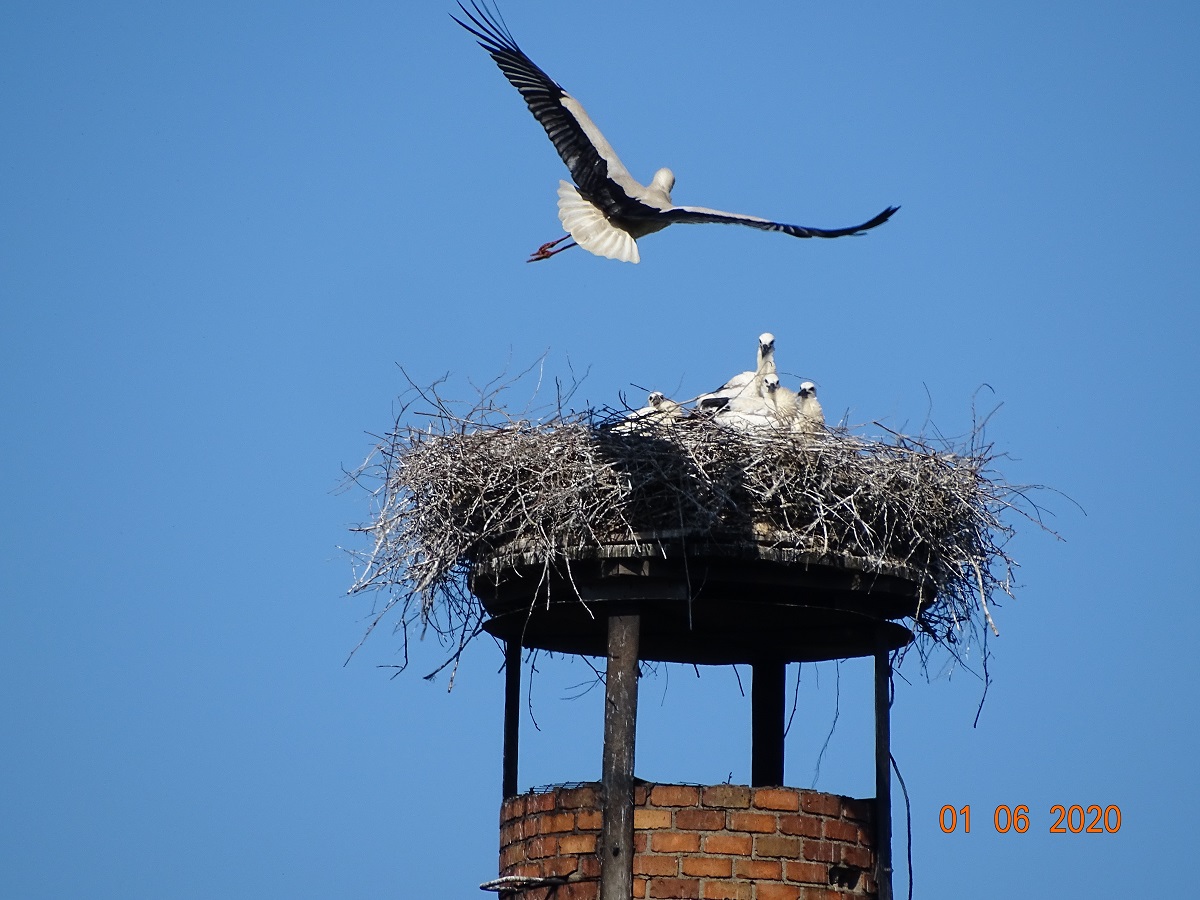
(1074, 819)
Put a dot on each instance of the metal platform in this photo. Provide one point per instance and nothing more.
(711, 605)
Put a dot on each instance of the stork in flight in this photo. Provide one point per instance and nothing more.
(606, 210)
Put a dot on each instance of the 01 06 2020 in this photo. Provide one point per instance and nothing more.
(1073, 819)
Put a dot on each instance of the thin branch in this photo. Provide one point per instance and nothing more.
(463, 481)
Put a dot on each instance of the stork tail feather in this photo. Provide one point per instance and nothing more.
(591, 230)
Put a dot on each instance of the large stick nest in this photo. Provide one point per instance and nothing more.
(467, 485)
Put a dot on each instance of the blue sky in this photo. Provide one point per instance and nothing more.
(223, 226)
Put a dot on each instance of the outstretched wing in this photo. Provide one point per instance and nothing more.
(694, 214)
(593, 163)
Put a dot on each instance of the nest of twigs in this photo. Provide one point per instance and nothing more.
(460, 488)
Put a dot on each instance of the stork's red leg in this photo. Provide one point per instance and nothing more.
(544, 251)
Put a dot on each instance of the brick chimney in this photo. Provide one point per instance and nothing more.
(716, 842)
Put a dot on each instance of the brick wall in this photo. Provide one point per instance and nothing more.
(718, 842)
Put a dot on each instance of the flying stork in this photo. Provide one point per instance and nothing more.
(606, 210)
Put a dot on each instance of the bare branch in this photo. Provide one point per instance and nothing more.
(457, 480)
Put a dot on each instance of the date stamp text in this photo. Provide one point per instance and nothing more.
(1074, 819)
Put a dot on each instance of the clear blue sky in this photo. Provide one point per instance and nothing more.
(223, 225)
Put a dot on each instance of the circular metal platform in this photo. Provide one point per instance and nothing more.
(712, 604)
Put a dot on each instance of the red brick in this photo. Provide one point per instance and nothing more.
(560, 865)
(539, 802)
(700, 819)
(767, 891)
(639, 888)
(675, 889)
(589, 819)
(837, 830)
(728, 796)
(777, 798)
(527, 870)
(821, 851)
(578, 891)
(862, 810)
(807, 872)
(589, 867)
(541, 847)
(512, 808)
(512, 855)
(732, 844)
(556, 823)
(770, 869)
(674, 795)
(579, 798)
(641, 843)
(511, 833)
(707, 866)
(860, 857)
(653, 864)
(725, 890)
(651, 818)
(760, 823)
(640, 792)
(775, 845)
(674, 842)
(809, 826)
(823, 804)
(577, 843)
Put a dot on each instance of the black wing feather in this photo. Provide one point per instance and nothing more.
(683, 214)
(543, 95)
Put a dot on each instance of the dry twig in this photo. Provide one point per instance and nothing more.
(476, 478)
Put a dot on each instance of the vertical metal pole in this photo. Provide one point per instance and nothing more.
(767, 707)
(512, 716)
(620, 732)
(883, 771)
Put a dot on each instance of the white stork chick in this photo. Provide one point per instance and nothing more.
(800, 412)
(785, 404)
(810, 418)
(606, 210)
(658, 411)
(746, 382)
(750, 409)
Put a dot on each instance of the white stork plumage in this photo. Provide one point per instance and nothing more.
(749, 410)
(748, 382)
(606, 210)
(658, 411)
(800, 412)
(785, 405)
(811, 417)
